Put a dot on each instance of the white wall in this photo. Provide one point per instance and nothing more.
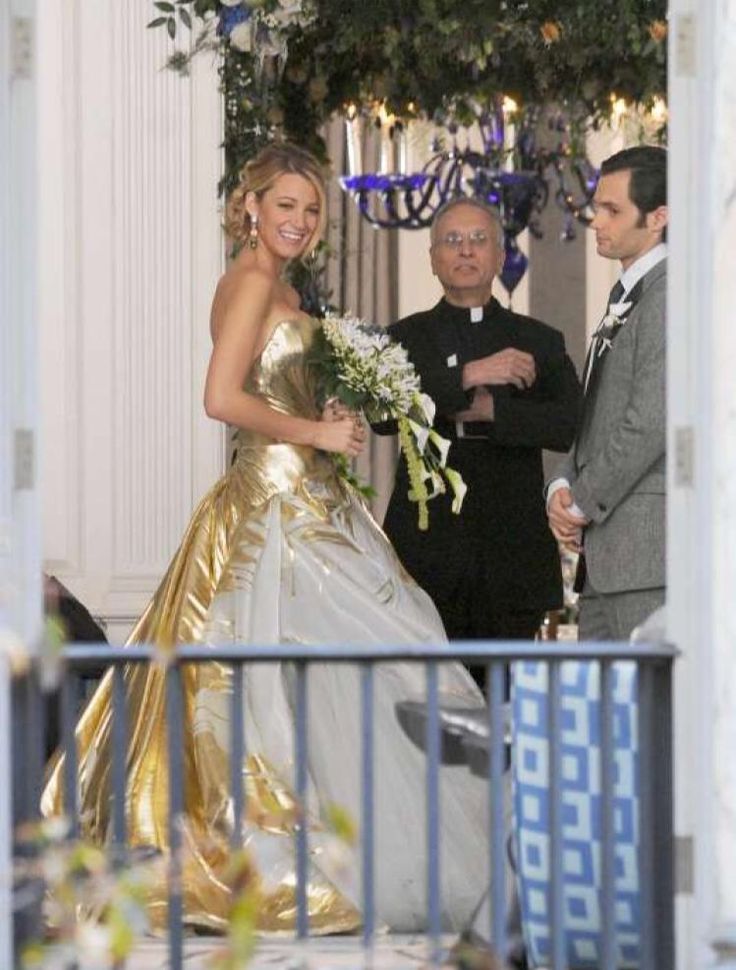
(702, 473)
(20, 575)
(130, 250)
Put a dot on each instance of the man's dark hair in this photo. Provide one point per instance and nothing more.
(648, 167)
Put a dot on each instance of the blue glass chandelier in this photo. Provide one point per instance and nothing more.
(512, 172)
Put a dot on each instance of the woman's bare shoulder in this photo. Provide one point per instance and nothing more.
(240, 288)
(244, 282)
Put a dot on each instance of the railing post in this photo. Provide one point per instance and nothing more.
(69, 698)
(662, 815)
(174, 710)
(557, 902)
(495, 677)
(302, 848)
(119, 762)
(367, 803)
(433, 811)
(27, 722)
(237, 755)
(647, 766)
(608, 834)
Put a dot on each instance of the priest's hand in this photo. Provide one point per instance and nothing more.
(481, 407)
(509, 366)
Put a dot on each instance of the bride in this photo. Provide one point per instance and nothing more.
(281, 550)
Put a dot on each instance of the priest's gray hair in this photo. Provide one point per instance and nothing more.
(493, 214)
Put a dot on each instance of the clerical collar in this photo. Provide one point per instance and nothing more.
(473, 314)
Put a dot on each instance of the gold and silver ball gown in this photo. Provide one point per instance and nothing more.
(282, 551)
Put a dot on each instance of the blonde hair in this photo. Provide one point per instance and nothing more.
(258, 176)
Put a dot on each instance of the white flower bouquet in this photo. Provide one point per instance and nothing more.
(359, 364)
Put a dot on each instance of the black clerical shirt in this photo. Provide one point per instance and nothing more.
(501, 535)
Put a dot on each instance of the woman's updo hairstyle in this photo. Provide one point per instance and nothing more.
(258, 176)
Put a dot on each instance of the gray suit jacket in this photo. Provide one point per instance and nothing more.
(617, 467)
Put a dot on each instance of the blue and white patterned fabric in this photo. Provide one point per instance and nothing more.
(581, 811)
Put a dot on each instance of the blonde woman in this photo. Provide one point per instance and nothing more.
(281, 550)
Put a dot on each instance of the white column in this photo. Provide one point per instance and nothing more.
(20, 573)
(702, 476)
(131, 249)
(419, 288)
(600, 274)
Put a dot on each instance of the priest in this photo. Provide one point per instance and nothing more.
(505, 389)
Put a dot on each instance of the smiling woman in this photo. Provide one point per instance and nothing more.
(258, 176)
(282, 550)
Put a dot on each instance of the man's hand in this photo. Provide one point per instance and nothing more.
(566, 527)
(510, 366)
(481, 407)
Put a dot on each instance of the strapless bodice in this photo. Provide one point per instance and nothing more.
(283, 378)
(281, 374)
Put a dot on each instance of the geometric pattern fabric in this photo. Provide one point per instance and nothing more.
(581, 811)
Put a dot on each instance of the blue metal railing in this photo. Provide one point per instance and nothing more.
(653, 663)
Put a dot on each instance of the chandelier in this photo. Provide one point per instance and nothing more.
(511, 171)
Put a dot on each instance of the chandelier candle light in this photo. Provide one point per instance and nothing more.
(353, 140)
(384, 122)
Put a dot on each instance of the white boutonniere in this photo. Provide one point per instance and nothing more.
(610, 324)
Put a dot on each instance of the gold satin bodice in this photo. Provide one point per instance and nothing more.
(283, 378)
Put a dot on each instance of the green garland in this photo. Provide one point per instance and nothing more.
(417, 486)
(429, 58)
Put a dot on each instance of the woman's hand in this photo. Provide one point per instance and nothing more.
(334, 410)
(340, 430)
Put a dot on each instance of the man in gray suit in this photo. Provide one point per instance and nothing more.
(608, 501)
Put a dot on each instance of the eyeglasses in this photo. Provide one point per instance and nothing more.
(455, 240)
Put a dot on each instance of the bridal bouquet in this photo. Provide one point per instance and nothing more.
(359, 364)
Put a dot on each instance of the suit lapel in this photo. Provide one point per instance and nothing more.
(597, 365)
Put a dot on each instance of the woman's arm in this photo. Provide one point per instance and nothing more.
(240, 329)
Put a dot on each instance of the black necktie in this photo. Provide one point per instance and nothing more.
(617, 291)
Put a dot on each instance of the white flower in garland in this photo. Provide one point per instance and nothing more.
(241, 37)
(260, 29)
(366, 370)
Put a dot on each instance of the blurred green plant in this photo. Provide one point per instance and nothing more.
(93, 908)
(287, 65)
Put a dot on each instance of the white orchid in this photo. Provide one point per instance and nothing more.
(459, 489)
